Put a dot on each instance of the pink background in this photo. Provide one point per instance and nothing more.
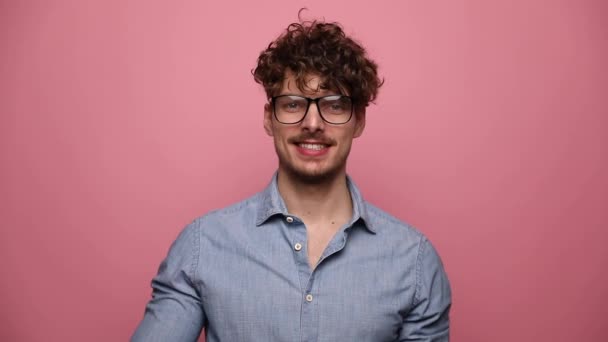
(121, 121)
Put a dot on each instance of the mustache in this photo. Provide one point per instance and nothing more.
(312, 136)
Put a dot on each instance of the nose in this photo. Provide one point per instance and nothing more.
(313, 121)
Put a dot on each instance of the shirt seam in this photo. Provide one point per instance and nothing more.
(418, 289)
(195, 251)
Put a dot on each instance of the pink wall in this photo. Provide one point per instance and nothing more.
(122, 121)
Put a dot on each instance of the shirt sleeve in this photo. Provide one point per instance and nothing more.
(175, 312)
(428, 321)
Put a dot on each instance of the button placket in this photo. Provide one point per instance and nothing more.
(310, 313)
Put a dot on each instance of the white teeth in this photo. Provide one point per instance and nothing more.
(316, 147)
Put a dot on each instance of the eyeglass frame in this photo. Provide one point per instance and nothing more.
(310, 101)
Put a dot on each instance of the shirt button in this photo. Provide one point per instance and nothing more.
(309, 297)
(289, 219)
(297, 246)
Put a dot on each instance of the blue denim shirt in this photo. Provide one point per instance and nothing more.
(243, 273)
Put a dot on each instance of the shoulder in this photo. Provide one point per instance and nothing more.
(402, 236)
(389, 225)
(237, 215)
(398, 232)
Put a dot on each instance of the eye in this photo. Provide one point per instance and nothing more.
(336, 105)
(291, 104)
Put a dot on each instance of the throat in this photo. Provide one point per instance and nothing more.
(318, 202)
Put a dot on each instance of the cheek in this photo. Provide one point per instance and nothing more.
(285, 131)
(281, 136)
(346, 138)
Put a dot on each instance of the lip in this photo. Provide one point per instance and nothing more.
(308, 141)
(312, 153)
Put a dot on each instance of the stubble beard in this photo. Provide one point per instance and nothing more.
(306, 177)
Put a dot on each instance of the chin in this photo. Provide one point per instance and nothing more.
(308, 176)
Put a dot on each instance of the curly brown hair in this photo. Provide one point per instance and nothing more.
(319, 48)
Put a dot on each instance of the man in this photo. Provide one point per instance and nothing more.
(307, 259)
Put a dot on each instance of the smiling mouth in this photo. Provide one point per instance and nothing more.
(313, 147)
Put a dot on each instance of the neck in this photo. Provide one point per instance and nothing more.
(326, 200)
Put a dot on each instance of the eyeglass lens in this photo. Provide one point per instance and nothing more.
(335, 109)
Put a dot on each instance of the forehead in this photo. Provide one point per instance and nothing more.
(309, 84)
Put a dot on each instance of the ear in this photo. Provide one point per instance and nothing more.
(268, 119)
(360, 122)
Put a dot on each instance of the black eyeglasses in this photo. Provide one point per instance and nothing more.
(292, 109)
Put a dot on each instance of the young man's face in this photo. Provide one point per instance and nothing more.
(311, 150)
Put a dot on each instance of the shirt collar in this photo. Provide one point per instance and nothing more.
(271, 203)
